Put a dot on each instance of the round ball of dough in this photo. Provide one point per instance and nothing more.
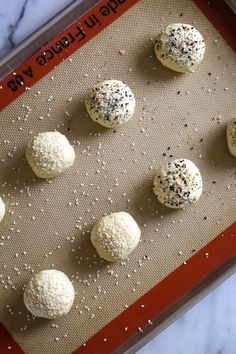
(180, 47)
(115, 236)
(2, 209)
(110, 103)
(49, 154)
(178, 184)
(49, 294)
(231, 136)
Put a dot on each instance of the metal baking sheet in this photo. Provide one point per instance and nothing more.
(48, 223)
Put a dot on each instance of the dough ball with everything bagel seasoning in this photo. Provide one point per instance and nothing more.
(180, 47)
(231, 136)
(110, 103)
(49, 294)
(49, 154)
(115, 236)
(178, 184)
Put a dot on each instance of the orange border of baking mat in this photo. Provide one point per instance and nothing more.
(219, 253)
(51, 55)
(222, 18)
(7, 343)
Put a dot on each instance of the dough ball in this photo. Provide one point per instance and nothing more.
(110, 103)
(180, 47)
(49, 154)
(178, 184)
(115, 236)
(231, 136)
(2, 209)
(49, 294)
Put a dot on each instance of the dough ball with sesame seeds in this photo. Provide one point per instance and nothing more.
(49, 154)
(2, 209)
(231, 136)
(110, 103)
(115, 236)
(180, 47)
(178, 184)
(49, 294)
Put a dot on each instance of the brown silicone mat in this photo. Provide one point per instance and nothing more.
(48, 223)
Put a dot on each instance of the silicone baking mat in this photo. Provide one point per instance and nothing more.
(48, 223)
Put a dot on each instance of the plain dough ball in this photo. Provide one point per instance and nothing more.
(110, 103)
(2, 209)
(180, 47)
(178, 184)
(231, 136)
(49, 294)
(115, 236)
(49, 154)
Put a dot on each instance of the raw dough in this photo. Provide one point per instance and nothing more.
(231, 136)
(49, 294)
(180, 47)
(178, 184)
(110, 103)
(2, 209)
(49, 154)
(115, 236)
